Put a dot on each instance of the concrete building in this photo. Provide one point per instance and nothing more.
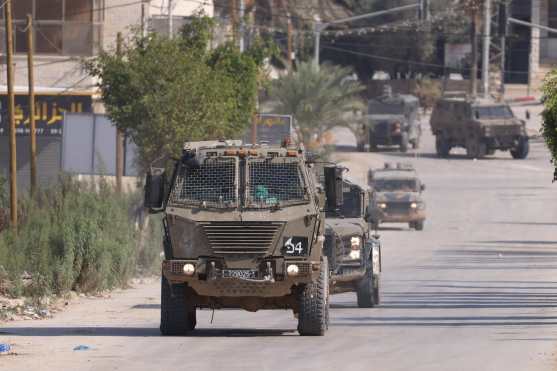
(544, 44)
(66, 32)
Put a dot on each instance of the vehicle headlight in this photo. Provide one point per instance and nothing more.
(382, 205)
(414, 205)
(356, 246)
(355, 255)
(355, 242)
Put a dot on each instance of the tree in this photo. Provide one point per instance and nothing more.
(549, 125)
(163, 92)
(319, 99)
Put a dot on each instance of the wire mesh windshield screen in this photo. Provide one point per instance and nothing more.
(273, 182)
(212, 182)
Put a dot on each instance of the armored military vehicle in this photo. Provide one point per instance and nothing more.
(396, 196)
(479, 126)
(392, 121)
(244, 229)
(353, 253)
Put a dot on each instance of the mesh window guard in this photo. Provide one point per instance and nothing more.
(274, 182)
(213, 182)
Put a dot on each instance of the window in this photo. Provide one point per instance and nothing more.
(79, 11)
(552, 15)
(22, 8)
(49, 10)
(62, 27)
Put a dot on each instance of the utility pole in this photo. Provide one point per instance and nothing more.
(234, 20)
(170, 20)
(503, 32)
(474, 63)
(289, 64)
(320, 27)
(32, 134)
(11, 111)
(486, 47)
(241, 26)
(143, 23)
(119, 135)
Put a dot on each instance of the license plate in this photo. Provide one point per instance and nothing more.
(239, 273)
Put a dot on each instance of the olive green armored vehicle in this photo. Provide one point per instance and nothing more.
(479, 126)
(353, 252)
(243, 229)
(392, 120)
(396, 196)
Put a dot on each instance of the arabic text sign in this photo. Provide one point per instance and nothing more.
(49, 112)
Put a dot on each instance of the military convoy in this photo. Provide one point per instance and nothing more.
(392, 120)
(244, 228)
(479, 126)
(396, 196)
(353, 253)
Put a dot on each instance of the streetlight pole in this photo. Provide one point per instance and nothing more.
(320, 27)
(486, 47)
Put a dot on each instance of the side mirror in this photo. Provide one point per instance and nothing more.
(477, 115)
(154, 190)
(333, 188)
(422, 187)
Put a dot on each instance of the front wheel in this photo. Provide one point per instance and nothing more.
(178, 315)
(521, 151)
(419, 226)
(404, 141)
(442, 147)
(368, 291)
(313, 318)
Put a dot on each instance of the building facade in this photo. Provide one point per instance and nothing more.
(543, 56)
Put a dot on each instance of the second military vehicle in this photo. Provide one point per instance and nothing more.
(353, 253)
(479, 126)
(243, 229)
(397, 196)
(392, 121)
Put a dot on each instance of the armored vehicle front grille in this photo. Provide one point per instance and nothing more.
(398, 207)
(505, 130)
(238, 238)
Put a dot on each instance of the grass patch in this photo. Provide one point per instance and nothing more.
(77, 236)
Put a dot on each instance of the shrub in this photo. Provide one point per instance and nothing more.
(74, 236)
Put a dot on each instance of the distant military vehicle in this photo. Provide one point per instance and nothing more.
(396, 196)
(479, 126)
(392, 121)
(243, 229)
(353, 253)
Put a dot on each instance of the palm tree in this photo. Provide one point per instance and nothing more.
(319, 99)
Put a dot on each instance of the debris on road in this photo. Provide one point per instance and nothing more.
(5, 348)
(82, 348)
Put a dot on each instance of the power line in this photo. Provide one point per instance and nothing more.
(407, 61)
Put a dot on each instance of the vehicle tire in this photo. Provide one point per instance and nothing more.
(372, 144)
(419, 226)
(367, 292)
(178, 315)
(404, 142)
(313, 317)
(416, 143)
(522, 150)
(442, 147)
(475, 148)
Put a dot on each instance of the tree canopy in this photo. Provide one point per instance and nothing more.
(549, 125)
(163, 92)
(319, 99)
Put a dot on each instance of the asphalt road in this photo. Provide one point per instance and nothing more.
(476, 290)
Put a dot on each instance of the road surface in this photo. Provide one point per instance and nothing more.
(476, 290)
